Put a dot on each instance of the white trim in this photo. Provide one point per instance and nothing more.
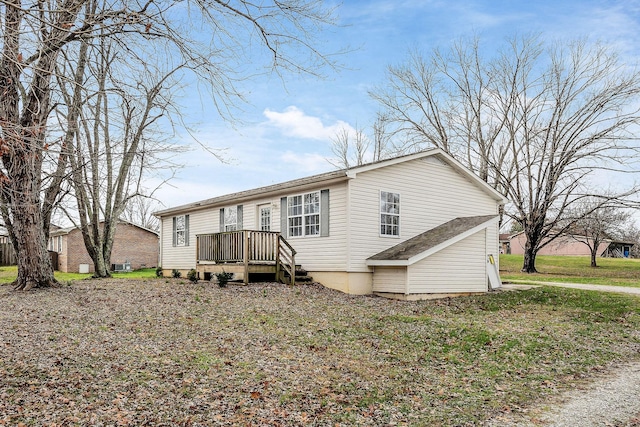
(184, 231)
(226, 224)
(433, 250)
(383, 163)
(351, 173)
(262, 207)
(380, 213)
(327, 179)
(303, 216)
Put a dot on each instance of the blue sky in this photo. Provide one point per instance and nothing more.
(285, 129)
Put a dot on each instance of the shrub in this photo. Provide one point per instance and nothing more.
(223, 278)
(192, 275)
(158, 271)
(176, 274)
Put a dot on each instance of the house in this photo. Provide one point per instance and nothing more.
(134, 247)
(404, 227)
(7, 253)
(505, 243)
(573, 245)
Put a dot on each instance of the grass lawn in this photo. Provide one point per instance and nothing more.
(574, 269)
(9, 274)
(168, 352)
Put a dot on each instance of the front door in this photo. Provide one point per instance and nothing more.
(264, 215)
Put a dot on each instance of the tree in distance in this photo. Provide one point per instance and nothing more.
(49, 51)
(538, 121)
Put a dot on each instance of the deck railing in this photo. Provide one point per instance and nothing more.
(249, 246)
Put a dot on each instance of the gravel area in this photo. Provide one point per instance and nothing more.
(610, 400)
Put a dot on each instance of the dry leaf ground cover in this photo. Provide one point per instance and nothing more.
(168, 352)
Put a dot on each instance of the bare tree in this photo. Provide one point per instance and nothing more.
(592, 224)
(350, 150)
(139, 211)
(116, 142)
(536, 121)
(354, 148)
(380, 137)
(34, 36)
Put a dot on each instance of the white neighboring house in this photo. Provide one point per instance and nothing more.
(406, 227)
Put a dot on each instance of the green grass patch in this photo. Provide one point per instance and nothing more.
(9, 273)
(574, 269)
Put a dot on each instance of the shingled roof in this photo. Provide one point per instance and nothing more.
(431, 241)
(328, 178)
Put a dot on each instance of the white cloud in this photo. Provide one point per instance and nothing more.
(295, 123)
(310, 162)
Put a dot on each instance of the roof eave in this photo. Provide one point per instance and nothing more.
(387, 263)
(243, 196)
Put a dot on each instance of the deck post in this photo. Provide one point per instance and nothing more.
(278, 258)
(245, 256)
(293, 268)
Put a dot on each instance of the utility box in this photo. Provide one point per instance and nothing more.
(83, 268)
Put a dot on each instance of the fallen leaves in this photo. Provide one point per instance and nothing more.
(160, 352)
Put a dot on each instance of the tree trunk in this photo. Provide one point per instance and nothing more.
(101, 269)
(593, 255)
(530, 252)
(23, 119)
(529, 264)
(34, 264)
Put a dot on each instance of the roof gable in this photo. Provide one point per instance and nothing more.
(59, 231)
(423, 245)
(332, 177)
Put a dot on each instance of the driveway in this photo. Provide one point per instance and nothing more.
(610, 400)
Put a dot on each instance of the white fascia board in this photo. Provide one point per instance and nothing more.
(475, 178)
(456, 165)
(387, 263)
(383, 163)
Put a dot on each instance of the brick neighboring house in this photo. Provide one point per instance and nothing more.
(571, 245)
(132, 244)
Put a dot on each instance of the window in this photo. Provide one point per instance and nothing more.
(181, 230)
(55, 244)
(265, 218)
(312, 214)
(231, 218)
(389, 214)
(303, 214)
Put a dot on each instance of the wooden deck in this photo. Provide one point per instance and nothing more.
(246, 252)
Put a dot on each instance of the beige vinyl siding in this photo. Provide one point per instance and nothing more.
(316, 253)
(184, 257)
(442, 272)
(431, 193)
(390, 279)
(313, 253)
